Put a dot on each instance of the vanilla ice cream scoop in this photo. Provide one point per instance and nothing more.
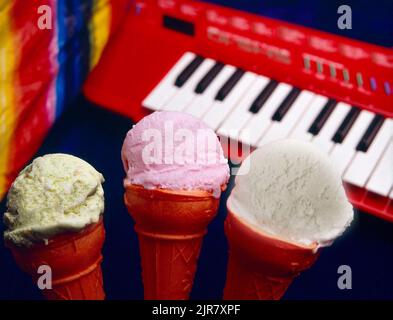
(289, 189)
(54, 194)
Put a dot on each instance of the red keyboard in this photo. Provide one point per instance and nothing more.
(255, 80)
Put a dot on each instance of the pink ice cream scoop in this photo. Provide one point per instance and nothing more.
(174, 150)
(175, 173)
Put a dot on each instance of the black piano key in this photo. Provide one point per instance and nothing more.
(320, 120)
(209, 77)
(263, 96)
(286, 104)
(188, 71)
(346, 125)
(229, 84)
(370, 133)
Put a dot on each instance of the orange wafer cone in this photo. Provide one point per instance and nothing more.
(75, 262)
(261, 267)
(170, 226)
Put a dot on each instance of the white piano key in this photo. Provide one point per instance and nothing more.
(381, 180)
(300, 131)
(364, 163)
(261, 121)
(220, 109)
(241, 114)
(166, 87)
(281, 129)
(343, 153)
(202, 102)
(323, 140)
(186, 93)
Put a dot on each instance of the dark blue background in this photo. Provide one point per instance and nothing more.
(371, 20)
(96, 135)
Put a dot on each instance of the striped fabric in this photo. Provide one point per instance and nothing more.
(41, 70)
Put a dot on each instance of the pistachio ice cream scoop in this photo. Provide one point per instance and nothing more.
(56, 193)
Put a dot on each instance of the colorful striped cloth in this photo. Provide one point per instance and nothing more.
(47, 47)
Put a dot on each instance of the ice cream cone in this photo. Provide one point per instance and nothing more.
(261, 267)
(171, 225)
(75, 262)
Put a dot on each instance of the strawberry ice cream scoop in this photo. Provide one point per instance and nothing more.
(174, 150)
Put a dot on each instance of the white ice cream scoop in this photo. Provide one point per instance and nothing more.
(291, 190)
(288, 201)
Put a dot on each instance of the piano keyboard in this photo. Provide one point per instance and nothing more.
(255, 110)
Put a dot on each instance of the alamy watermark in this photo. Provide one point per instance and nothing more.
(345, 19)
(44, 21)
(182, 146)
(44, 282)
(344, 281)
